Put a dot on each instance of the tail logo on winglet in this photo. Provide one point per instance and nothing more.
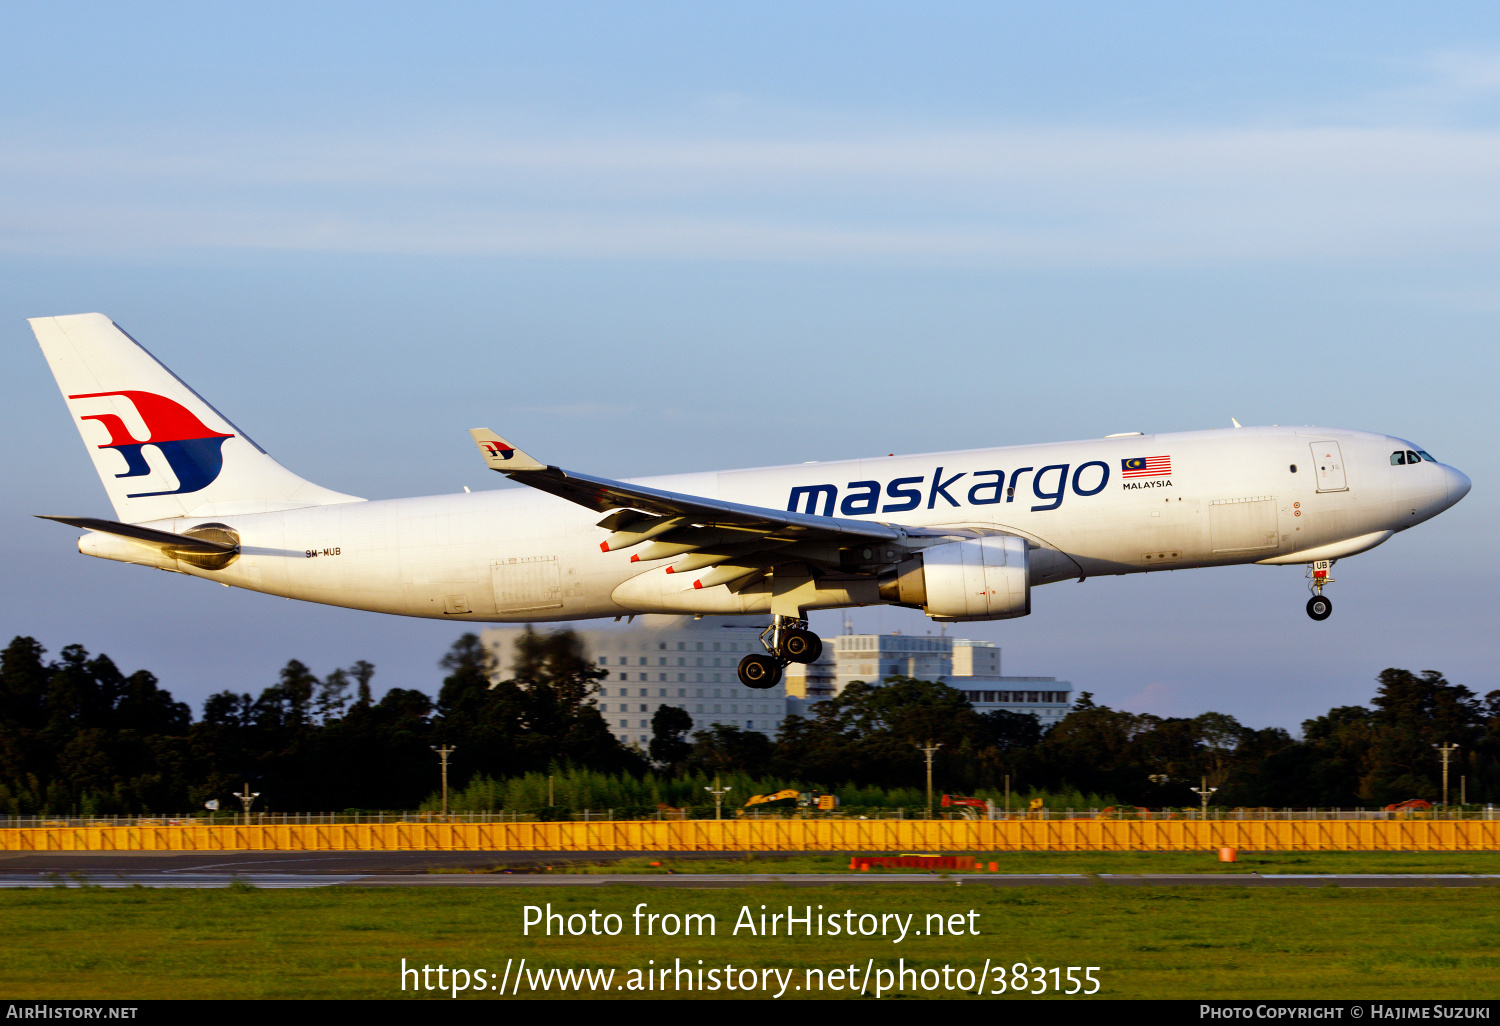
(496, 450)
(191, 449)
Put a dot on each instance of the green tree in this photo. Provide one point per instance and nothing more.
(1413, 714)
(668, 725)
(724, 748)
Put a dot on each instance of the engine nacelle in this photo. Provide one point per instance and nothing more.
(984, 578)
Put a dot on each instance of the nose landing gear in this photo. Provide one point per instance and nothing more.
(1319, 576)
(788, 640)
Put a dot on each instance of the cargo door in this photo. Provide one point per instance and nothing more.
(1328, 465)
(526, 584)
(1243, 525)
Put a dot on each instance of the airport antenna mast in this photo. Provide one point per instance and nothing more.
(718, 793)
(247, 799)
(1447, 753)
(929, 750)
(1205, 792)
(443, 753)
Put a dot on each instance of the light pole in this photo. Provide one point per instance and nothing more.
(928, 750)
(1447, 751)
(718, 793)
(444, 752)
(1205, 792)
(248, 799)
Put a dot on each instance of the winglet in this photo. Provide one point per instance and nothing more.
(501, 455)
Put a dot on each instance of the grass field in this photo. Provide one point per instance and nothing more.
(1080, 862)
(1220, 942)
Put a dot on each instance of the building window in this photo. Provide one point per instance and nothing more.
(661, 676)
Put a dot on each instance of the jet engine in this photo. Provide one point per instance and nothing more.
(983, 578)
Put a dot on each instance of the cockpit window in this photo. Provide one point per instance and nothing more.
(1412, 457)
(1425, 456)
(1398, 458)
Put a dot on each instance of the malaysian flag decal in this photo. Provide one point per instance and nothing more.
(1147, 466)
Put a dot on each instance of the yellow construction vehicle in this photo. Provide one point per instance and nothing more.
(793, 797)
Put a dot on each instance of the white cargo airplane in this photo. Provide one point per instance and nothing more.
(960, 535)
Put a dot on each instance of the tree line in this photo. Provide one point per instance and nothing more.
(78, 736)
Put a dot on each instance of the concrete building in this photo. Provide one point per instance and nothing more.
(668, 660)
(972, 667)
(691, 663)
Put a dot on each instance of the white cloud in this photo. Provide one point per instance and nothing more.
(1028, 196)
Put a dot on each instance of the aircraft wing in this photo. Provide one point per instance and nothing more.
(747, 538)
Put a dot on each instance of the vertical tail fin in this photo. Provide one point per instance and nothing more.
(161, 450)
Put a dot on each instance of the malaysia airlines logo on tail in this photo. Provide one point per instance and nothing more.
(191, 449)
(497, 450)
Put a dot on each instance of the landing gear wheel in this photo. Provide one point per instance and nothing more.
(1319, 608)
(800, 646)
(759, 672)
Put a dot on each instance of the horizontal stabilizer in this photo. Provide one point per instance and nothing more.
(165, 539)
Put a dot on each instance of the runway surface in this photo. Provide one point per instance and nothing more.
(291, 870)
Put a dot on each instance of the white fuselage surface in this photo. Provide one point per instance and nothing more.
(963, 535)
(1241, 495)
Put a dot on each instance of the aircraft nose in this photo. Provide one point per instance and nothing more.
(1458, 483)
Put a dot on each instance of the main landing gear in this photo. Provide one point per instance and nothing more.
(1319, 576)
(788, 640)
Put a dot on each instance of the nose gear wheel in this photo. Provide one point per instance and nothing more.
(1319, 576)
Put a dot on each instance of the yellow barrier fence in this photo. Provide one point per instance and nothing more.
(781, 835)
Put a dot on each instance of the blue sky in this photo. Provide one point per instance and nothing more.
(657, 237)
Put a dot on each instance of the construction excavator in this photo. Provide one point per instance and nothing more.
(793, 798)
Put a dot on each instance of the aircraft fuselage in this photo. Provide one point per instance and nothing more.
(1117, 505)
